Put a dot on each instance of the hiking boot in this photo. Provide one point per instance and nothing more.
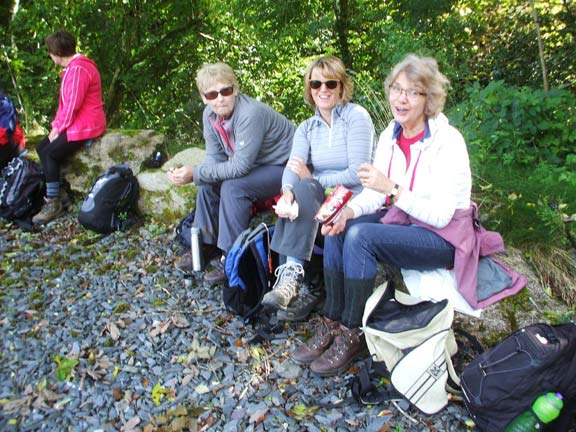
(347, 347)
(324, 333)
(65, 198)
(217, 275)
(184, 263)
(209, 253)
(288, 280)
(309, 297)
(51, 209)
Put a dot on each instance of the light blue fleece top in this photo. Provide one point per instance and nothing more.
(334, 153)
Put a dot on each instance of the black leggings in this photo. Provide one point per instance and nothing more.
(52, 154)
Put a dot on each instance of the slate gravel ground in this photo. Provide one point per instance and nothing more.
(102, 334)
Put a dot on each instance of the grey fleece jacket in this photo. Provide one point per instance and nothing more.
(262, 136)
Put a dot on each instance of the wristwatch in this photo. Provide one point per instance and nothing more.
(394, 192)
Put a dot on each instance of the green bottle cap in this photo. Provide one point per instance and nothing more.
(547, 406)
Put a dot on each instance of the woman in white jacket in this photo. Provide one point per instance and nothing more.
(421, 166)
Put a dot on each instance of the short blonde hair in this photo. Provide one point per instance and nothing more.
(331, 67)
(213, 73)
(424, 73)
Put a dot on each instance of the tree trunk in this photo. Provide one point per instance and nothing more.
(540, 46)
(342, 26)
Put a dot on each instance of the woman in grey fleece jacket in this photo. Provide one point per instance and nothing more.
(328, 148)
(247, 146)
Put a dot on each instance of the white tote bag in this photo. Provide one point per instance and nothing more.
(415, 340)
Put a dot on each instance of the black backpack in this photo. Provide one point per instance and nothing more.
(182, 231)
(503, 382)
(22, 188)
(249, 268)
(111, 202)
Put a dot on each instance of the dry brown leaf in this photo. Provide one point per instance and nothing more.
(113, 330)
(180, 322)
(159, 328)
(131, 424)
(186, 380)
(258, 416)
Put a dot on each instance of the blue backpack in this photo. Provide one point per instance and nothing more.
(9, 144)
(8, 119)
(249, 268)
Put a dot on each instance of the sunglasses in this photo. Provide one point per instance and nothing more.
(331, 84)
(226, 91)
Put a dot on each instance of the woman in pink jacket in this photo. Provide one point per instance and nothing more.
(80, 118)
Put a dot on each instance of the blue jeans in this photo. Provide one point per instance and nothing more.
(365, 242)
(356, 252)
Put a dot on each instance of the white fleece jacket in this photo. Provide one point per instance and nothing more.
(437, 182)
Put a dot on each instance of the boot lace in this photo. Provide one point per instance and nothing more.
(323, 334)
(289, 278)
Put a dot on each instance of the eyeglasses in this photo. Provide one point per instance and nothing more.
(226, 91)
(331, 84)
(411, 94)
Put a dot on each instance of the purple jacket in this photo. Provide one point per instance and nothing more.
(471, 241)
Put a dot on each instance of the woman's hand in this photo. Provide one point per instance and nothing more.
(180, 176)
(53, 134)
(284, 204)
(337, 226)
(371, 177)
(299, 167)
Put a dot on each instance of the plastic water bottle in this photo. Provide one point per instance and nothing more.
(196, 249)
(545, 408)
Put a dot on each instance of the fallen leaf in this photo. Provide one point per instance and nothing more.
(132, 423)
(159, 328)
(180, 322)
(258, 416)
(202, 389)
(113, 330)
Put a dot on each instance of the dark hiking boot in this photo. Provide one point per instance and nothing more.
(184, 263)
(309, 298)
(51, 209)
(324, 333)
(217, 275)
(347, 347)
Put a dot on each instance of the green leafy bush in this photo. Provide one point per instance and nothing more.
(522, 149)
(518, 126)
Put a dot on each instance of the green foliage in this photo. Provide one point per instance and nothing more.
(65, 367)
(521, 143)
(518, 126)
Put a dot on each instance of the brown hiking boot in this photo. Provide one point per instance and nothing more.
(217, 275)
(184, 263)
(51, 209)
(324, 333)
(347, 346)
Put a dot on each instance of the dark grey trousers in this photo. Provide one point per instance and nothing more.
(296, 239)
(223, 210)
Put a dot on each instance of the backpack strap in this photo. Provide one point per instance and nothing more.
(364, 390)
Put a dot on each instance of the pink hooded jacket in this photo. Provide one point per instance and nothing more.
(471, 241)
(80, 108)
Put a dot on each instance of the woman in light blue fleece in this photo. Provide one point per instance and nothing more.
(327, 150)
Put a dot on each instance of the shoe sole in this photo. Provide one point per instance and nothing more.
(361, 354)
(287, 315)
(46, 222)
(215, 282)
(302, 363)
